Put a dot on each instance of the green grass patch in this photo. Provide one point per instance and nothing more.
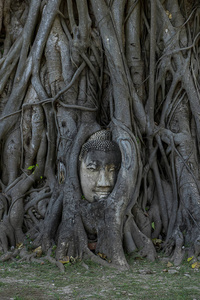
(144, 280)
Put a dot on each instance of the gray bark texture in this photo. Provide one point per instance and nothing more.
(69, 68)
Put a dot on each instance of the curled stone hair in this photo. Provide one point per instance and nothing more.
(100, 140)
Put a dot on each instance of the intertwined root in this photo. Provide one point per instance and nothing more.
(69, 68)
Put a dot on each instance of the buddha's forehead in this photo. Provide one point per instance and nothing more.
(103, 157)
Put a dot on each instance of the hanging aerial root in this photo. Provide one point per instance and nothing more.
(142, 242)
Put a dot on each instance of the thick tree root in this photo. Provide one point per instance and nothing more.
(54, 261)
(8, 255)
(102, 262)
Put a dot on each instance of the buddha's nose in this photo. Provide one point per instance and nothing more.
(103, 179)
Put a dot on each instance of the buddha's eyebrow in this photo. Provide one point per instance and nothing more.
(93, 163)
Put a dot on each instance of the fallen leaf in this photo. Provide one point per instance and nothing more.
(103, 256)
(169, 14)
(169, 264)
(190, 258)
(19, 246)
(64, 261)
(196, 265)
(72, 259)
(156, 241)
(38, 251)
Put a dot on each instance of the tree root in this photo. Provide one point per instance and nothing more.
(142, 241)
(104, 263)
(53, 261)
(9, 254)
(25, 256)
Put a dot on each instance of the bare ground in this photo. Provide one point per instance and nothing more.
(87, 280)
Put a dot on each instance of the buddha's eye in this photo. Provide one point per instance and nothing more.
(92, 168)
(112, 169)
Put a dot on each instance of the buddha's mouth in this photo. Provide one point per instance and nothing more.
(102, 193)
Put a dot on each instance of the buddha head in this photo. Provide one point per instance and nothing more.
(100, 160)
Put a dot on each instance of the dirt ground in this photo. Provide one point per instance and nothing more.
(86, 280)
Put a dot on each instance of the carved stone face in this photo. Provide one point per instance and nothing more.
(98, 173)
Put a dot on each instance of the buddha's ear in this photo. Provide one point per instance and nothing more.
(126, 147)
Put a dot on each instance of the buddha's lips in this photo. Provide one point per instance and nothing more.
(102, 191)
(102, 194)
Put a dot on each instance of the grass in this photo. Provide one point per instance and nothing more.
(145, 280)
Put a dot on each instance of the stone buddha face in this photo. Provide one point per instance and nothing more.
(99, 165)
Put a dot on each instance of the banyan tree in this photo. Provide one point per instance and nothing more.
(77, 76)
